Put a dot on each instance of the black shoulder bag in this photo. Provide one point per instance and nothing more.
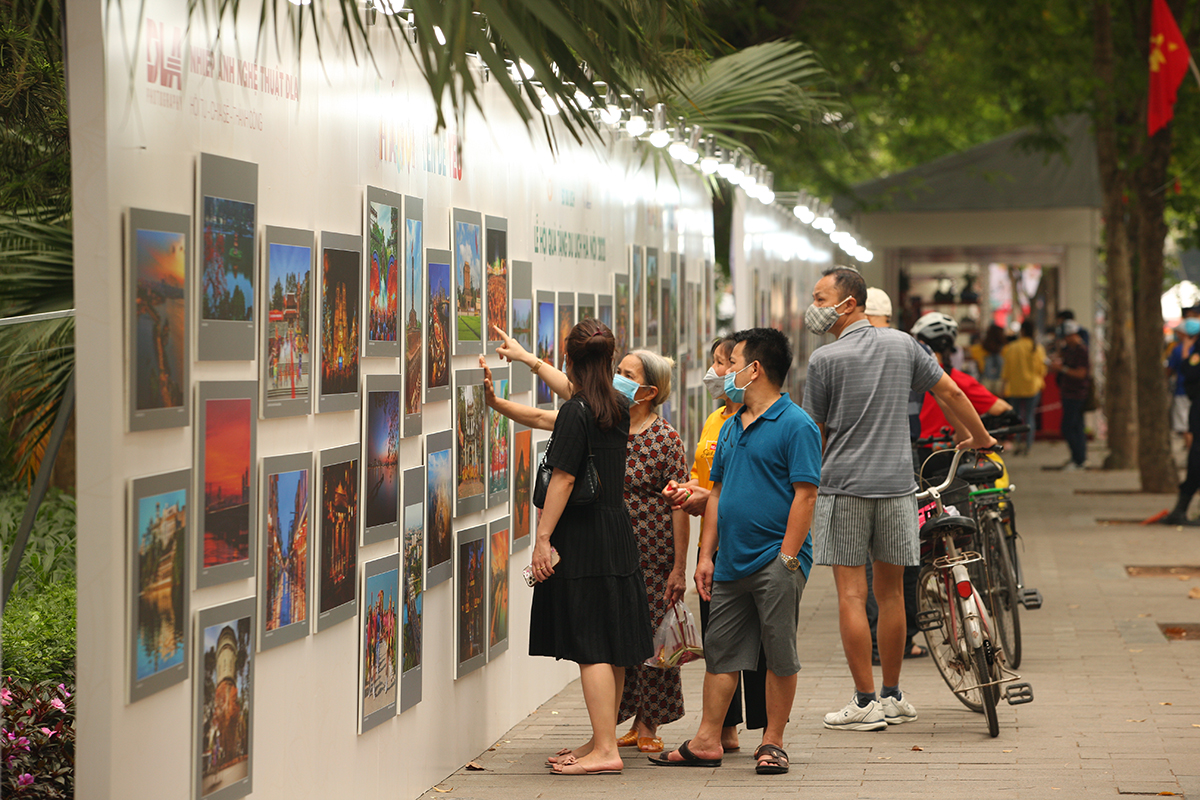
(587, 484)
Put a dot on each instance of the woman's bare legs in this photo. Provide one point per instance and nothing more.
(602, 684)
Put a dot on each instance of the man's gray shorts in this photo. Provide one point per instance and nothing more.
(849, 531)
(762, 609)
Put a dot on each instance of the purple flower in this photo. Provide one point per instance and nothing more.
(25, 780)
(64, 691)
(58, 704)
(5, 697)
(49, 734)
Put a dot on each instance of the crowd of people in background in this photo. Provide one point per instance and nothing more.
(779, 488)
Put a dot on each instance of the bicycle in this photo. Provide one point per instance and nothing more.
(958, 625)
(994, 513)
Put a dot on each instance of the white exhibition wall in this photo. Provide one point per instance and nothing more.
(148, 95)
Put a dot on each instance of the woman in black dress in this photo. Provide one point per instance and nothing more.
(591, 607)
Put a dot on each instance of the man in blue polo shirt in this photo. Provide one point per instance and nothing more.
(765, 473)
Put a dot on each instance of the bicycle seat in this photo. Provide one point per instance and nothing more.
(985, 472)
(947, 523)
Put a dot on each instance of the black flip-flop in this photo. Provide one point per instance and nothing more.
(921, 651)
(690, 759)
(778, 763)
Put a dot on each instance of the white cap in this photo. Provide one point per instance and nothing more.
(878, 303)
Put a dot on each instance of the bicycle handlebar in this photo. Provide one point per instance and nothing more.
(950, 476)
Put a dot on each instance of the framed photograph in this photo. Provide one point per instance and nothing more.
(604, 311)
(621, 330)
(587, 306)
(437, 343)
(670, 310)
(284, 582)
(439, 507)
(637, 294)
(158, 252)
(652, 298)
(341, 293)
(702, 345)
(157, 567)
(709, 303)
(383, 240)
(521, 288)
(497, 587)
(497, 285)
(466, 238)
(566, 321)
(224, 701)
(286, 365)
(522, 480)
(498, 448)
(539, 452)
(381, 457)
(412, 587)
(470, 442)
(378, 636)
(470, 597)
(228, 222)
(338, 562)
(413, 312)
(547, 337)
(227, 480)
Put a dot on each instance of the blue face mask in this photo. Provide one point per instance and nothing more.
(732, 391)
(626, 387)
(1191, 326)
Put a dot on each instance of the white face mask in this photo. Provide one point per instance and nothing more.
(714, 383)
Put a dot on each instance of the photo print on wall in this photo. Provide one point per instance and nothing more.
(287, 358)
(539, 453)
(497, 587)
(497, 285)
(466, 238)
(224, 701)
(341, 293)
(521, 287)
(413, 313)
(669, 308)
(381, 458)
(621, 316)
(637, 293)
(384, 240)
(652, 298)
(156, 280)
(227, 480)
(336, 568)
(439, 507)
(412, 587)
(566, 321)
(158, 591)
(587, 306)
(378, 636)
(498, 448)
(470, 442)
(228, 256)
(284, 588)
(522, 480)
(604, 311)
(547, 337)
(470, 596)
(440, 315)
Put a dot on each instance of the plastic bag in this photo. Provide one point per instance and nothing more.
(677, 641)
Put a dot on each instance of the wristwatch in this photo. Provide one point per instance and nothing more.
(791, 562)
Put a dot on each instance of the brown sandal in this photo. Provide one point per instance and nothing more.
(650, 744)
(628, 740)
(771, 760)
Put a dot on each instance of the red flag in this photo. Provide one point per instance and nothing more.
(1169, 59)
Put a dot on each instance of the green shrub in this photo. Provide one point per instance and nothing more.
(50, 553)
(39, 634)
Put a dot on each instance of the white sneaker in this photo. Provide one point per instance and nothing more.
(897, 711)
(854, 718)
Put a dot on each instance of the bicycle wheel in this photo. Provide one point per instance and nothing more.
(1005, 575)
(945, 642)
(983, 674)
(999, 587)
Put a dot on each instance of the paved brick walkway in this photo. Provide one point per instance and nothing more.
(1116, 708)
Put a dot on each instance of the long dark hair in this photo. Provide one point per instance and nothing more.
(994, 340)
(590, 347)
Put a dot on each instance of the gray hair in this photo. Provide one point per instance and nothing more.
(657, 370)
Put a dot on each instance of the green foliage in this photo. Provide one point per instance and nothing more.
(38, 739)
(49, 560)
(39, 634)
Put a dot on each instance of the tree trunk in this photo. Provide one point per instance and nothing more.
(1153, 402)
(1119, 402)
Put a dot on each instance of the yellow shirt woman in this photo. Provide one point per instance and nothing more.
(706, 447)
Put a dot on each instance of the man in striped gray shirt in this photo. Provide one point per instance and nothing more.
(857, 392)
